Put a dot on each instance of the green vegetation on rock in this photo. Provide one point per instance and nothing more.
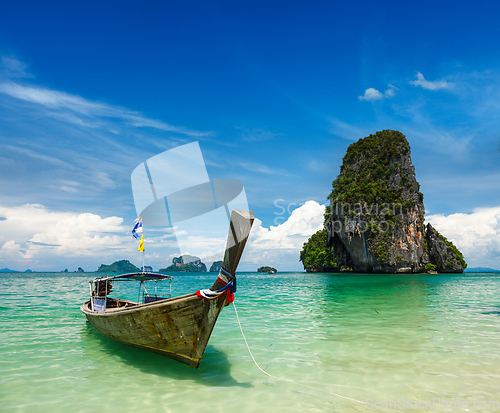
(458, 255)
(267, 269)
(430, 267)
(216, 266)
(182, 268)
(185, 263)
(315, 254)
(119, 266)
(368, 169)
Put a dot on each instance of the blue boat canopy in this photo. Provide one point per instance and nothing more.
(137, 276)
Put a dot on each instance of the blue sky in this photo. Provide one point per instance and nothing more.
(273, 91)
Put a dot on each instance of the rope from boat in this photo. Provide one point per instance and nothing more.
(290, 381)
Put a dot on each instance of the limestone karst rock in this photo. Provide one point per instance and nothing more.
(375, 221)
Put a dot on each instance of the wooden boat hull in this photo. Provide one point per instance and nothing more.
(177, 327)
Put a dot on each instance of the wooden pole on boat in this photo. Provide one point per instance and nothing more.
(239, 230)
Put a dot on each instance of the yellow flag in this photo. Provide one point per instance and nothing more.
(141, 244)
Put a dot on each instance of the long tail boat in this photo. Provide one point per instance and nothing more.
(177, 327)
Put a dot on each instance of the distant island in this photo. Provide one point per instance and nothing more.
(269, 270)
(480, 269)
(185, 263)
(216, 266)
(9, 270)
(119, 266)
(375, 220)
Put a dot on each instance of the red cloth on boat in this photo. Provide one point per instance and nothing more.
(212, 295)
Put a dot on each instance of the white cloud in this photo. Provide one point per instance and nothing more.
(10, 246)
(450, 143)
(103, 180)
(258, 135)
(280, 245)
(11, 252)
(371, 94)
(32, 236)
(374, 94)
(389, 93)
(348, 131)
(476, 235)
(83, 112)
(50, 237)
(13, 68)
(429, 85)
(263, 169)
(37, 155)
(454, 144)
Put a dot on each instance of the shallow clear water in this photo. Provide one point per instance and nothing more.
(366, 337)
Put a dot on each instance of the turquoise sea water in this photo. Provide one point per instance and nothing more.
(371, 338)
